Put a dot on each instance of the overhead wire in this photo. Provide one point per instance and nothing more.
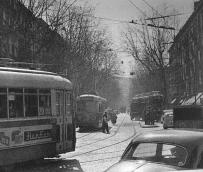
(151, 7)
(141, 11)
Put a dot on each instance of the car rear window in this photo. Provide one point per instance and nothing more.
(158, 152)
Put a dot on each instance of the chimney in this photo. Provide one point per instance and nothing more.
(196, 4)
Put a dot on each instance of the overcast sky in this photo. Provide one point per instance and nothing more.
(124, 10)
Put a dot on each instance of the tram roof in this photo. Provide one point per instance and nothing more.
(25, 78)
(90, 96)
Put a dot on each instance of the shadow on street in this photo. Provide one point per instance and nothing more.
(91, 130)
(50, 165)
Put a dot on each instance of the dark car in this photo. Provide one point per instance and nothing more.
(163, 150)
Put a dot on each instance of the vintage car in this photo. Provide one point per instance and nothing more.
(162, 150)
(168, 119)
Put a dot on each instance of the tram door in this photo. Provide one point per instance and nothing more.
(68, 125)
(65, 126)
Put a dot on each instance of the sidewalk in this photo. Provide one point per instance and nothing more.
(142, 124)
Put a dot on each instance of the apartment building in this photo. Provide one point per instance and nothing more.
(25, 38)
(186, 60)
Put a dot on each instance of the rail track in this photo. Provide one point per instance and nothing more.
(107, 146)
(99, 140)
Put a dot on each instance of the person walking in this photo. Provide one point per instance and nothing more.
(105, 127)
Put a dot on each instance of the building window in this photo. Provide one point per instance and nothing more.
(4, 17)
(199, 57)
(200, 77)
(10, 43)
(15, 49)
(14, 4)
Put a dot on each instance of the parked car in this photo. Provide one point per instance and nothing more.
(168, 119)
(163, 150)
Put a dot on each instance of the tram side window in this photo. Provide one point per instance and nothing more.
(100, 107)
(59, 103)
(31, 102)
(44, 102)
(81, 105)
(3, 103)
(15, 98)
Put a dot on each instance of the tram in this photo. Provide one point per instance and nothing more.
(147, 106)
(36, 115)
(90, 109)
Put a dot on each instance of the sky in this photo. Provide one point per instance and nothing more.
(124, 10)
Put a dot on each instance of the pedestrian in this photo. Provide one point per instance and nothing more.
(105, 127)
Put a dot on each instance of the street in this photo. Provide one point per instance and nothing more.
(95, 151)
(70, 63)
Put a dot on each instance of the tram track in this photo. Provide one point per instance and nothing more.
(105, 137)
(88, 134)
(111, 157)
(107, 146)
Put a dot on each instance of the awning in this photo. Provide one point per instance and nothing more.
(191, 100)
(199, 99)
(173, 101)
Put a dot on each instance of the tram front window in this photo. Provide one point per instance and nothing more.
(31, 102)
(31, 107)
(3, 106)
(44, 102)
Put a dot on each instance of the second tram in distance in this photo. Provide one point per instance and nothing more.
(90, 109)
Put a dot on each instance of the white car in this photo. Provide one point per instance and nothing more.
(167, 119)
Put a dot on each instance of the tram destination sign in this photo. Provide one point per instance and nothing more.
(19, 136)
(36, 135)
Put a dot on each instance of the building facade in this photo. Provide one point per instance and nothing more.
(26, 39)
(186, 59)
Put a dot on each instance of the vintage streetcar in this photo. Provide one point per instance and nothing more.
(36, 115)
(147, 106)
(90, 109)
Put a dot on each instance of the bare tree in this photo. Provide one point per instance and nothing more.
(62, 38)
(149, 44)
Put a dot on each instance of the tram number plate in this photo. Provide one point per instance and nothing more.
(37, 135)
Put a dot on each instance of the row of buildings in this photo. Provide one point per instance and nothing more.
(186, 60)
(24, 38)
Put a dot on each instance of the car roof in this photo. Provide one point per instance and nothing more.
(185, 138)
